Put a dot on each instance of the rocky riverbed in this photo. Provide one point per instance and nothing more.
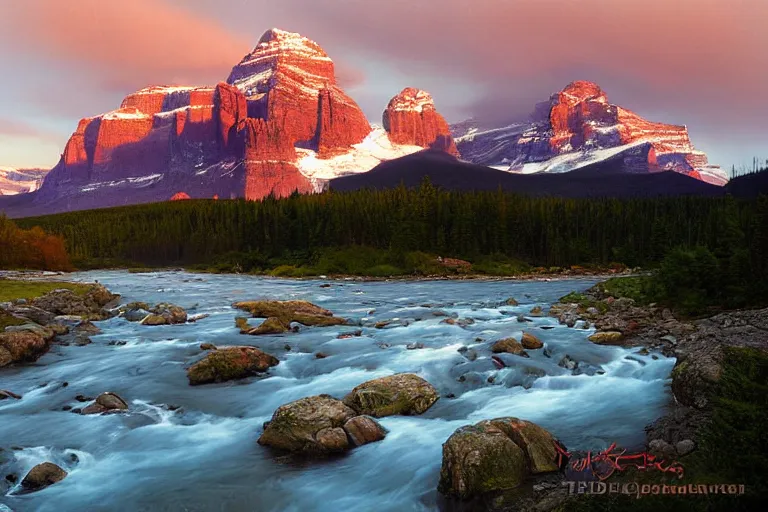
(158, 396)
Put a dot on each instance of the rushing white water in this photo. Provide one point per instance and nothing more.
(204, 455)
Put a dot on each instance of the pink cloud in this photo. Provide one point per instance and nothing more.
(125, 45)
(17, 128)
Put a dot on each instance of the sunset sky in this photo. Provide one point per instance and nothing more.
(703, 63)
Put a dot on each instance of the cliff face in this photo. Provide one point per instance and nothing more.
(411, 118)
(578, 125)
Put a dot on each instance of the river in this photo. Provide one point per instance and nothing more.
(203, 456)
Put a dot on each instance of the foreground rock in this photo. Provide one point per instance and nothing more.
(24, 346)
(700, 354)
(287, 311)
(319, 425)
(494, 455)
(403, 393)
(41, 476)
(230, 363)
(106, 403)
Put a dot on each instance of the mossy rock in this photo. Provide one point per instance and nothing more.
(311, 426)
(271, 325)
(154, 320)
(494, 455)
(289, 311)
(477, 462)
(508, 345)
(403, 393)
(230, 363)
(607, 338)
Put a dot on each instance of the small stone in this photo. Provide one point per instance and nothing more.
(511, 302)
(4, 394)
(321, 355)
(208, 346)
(42, 475)
(530, 341)
(414, 346)
(364, 429)
(685, 447)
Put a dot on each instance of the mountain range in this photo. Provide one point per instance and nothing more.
(281, 123)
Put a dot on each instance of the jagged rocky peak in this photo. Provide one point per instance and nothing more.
(582, 90)
(412, 99)
(412, 119)
(283, 53)
(578, 126)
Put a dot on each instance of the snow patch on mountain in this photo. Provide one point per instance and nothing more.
(363, 157)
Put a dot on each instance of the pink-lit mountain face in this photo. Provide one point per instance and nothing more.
(20, 181)
(577, 127)
(279, 124)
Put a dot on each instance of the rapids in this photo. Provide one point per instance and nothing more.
(203, 456)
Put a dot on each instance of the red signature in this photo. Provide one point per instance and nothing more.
(613, 460)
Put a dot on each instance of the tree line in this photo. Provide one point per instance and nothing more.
(31, 248)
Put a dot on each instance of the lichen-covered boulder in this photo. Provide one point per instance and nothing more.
(508, 345)
(41, 476)
(230, 363)
(363, 430)
(106, 403)
(494, 455)
(607, 338)
(313, 425)
(271, 325)
(403, 393)
(287, 311)
(530, 341)
(23, 346)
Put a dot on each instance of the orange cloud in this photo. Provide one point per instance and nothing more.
(125, 45)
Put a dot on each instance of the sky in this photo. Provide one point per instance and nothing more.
(702, 63)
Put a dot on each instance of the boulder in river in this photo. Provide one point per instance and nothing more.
(288, 311)
(230, 363)
(313, 426)
(508, 345)
(23, 346)
(363, 430)
(106, 403)
(271, 325)
(41, 476)
(536, 311)
(530, 341)
(494, 455)
(402, 393)
(511, 302)
(607, 338)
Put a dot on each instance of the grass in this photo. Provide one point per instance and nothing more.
(732, 448)
(11, 289)
(637, 288)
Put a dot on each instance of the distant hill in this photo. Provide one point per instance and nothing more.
(607, 178)
(749, 185)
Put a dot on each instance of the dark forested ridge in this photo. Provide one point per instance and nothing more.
(603, 179)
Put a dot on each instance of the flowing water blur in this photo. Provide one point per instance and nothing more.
(203, 456)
